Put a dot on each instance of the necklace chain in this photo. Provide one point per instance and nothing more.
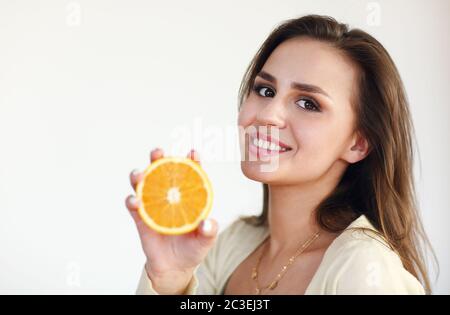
(272, 285)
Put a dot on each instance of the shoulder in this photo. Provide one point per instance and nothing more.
(361, 262)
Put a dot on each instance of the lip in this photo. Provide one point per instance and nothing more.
(265, 137)
(260, 152)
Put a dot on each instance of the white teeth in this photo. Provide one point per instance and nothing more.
(267, 145)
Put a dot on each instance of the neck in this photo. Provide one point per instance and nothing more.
(292, 217)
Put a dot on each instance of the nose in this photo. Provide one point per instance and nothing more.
(272, 113)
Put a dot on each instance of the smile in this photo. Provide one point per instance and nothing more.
(263, 145)
(260, 143)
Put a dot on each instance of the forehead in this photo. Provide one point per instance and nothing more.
(310, 61)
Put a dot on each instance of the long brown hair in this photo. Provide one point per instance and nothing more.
(381, 186)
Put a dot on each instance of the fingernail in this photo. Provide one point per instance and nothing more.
(135, 172)
(207, 226)
(134, 201)
(194, 155)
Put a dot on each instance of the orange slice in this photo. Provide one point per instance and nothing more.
(175, 195)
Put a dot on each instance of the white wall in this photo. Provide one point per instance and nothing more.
(87, 88)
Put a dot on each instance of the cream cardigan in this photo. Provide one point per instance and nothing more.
(354, 263)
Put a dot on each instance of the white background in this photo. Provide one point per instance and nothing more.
(88, 88)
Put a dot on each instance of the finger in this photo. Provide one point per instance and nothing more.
(208, 228)
(194, 156)
(205, 234)
(135, 178)
(132, 203)
(156, 154)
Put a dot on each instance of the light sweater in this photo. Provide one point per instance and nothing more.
(356, 262)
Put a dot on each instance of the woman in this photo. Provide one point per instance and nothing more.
(326, 108)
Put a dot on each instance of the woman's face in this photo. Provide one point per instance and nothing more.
(301, 97)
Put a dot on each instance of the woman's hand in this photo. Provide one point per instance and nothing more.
(171, 259)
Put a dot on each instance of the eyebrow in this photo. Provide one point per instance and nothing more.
(295, 85)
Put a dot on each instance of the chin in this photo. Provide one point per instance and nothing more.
(260, 171)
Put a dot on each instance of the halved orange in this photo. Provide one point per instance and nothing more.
(175, 195)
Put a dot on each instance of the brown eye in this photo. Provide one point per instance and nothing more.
(264, 91)
(308, 104)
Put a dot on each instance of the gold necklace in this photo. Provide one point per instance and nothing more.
(274, 282)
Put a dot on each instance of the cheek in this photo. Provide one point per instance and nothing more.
(310, 132)
(244, 120)
(247, 113)
(322, 132)
(318, 141)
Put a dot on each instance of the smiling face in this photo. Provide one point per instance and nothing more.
(303, 97)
